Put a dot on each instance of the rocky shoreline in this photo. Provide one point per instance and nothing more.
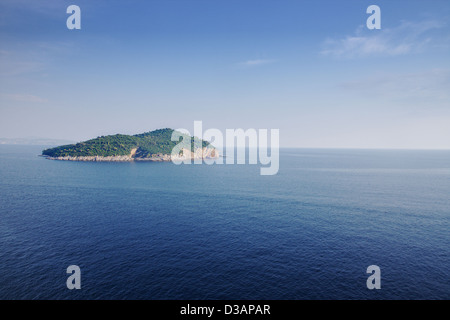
(205, 153)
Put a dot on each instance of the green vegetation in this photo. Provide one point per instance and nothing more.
(147, 144)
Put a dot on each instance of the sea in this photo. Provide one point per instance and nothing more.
(160, 231)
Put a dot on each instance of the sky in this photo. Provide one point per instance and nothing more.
(311, 69)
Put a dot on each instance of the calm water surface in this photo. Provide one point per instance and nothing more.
(161, 231)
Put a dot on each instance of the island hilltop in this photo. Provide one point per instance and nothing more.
(150, 146)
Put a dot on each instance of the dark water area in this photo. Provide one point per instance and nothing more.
(165, 231)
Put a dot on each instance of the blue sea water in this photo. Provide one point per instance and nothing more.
(162, 231)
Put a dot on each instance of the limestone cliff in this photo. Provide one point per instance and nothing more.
(199, 153)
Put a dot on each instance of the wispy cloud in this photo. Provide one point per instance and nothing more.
(408, 37)
(431, 86)
(256, 62)
(31, 57)
(47, 7)
(11, 64)
(22, 97)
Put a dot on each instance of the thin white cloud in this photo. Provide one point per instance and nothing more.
(256, 62)
(431, 86)
(31, 57)
(14, 68)
(408, 37)
(47, 7)
(22, 97)
(11, 64)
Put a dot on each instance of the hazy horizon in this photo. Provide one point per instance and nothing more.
(54, 142)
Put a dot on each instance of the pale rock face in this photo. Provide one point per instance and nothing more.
(198, 153)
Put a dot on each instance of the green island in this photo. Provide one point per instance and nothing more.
(155, 145)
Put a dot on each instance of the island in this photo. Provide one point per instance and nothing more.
(155, 145)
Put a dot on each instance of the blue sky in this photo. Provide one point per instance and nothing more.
(309, 68)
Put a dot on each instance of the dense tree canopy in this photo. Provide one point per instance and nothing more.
(147, 144)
